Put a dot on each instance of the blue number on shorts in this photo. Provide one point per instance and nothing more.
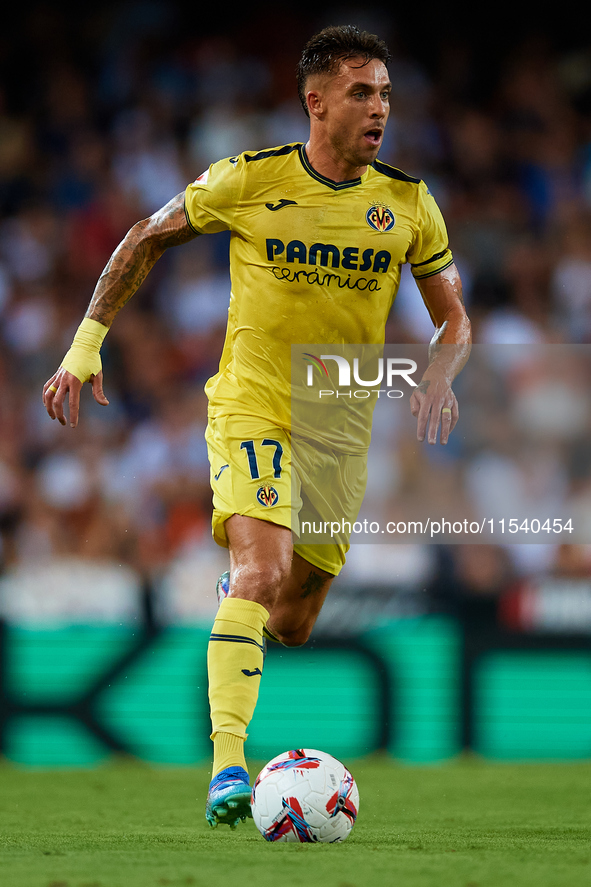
(248, 445)
(276, 456)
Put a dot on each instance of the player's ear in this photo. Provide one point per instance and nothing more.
(315, 103)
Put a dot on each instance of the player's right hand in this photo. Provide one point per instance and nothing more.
(65, 384)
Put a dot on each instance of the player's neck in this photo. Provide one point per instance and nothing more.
(326, 161)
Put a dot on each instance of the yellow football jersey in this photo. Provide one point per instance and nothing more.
(311, 261)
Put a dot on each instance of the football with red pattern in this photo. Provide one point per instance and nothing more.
(305, 796)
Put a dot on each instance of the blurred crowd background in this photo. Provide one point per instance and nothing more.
(106, 115)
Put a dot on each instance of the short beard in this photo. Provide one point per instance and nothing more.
(344, 151)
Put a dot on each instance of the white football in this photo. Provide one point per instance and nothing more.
(304, 796)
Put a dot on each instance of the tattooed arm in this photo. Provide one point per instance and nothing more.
(433, 401)
(126, 270)
(137, 253)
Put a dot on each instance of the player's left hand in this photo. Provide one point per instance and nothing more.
(433, 402)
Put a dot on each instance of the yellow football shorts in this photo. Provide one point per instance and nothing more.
(251, 474)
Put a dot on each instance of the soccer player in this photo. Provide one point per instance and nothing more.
(318, 235)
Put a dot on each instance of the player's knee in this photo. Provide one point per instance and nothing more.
(293, 635)
(295, 639)
(262, 584)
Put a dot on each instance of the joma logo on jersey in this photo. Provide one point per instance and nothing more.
(267, 496)
(323, 253)
(380, 218)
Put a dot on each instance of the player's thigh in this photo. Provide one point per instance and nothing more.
(264, 568)
(262, 555)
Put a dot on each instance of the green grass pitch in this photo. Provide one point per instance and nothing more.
(469, 823)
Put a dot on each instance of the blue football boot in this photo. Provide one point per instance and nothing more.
(222, 588)
(228, 800)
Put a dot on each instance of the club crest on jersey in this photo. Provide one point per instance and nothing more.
(380, 217)
(267, 496)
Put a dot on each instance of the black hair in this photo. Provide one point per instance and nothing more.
(325, 51)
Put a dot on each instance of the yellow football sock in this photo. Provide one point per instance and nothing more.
(228, 751)
(234, 665)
